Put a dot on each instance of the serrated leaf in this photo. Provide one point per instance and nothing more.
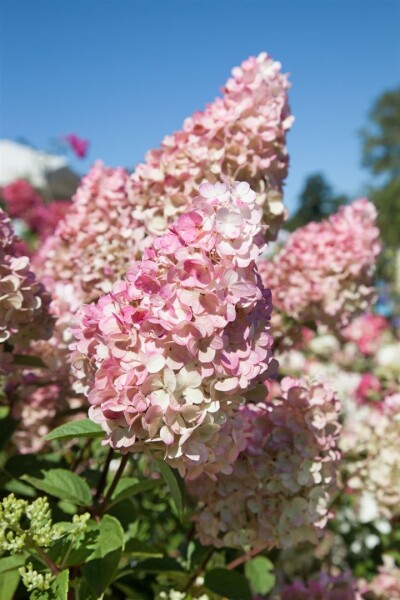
(84, 428)
(62, 484)
(10, 563)
(171, 479)
(58, 589)
(102, 564)
(8, 584)
(129, 486)
(230, 584)
(259, 572)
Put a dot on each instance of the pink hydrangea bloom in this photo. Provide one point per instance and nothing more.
(240, 136)
(323, 587)
(24, 203)
(113, 219)
(168, 355)
(324, 272)
(93, 245)
(367, 332)
(24, 303)
(78, 145)
(21, 199)
(368, 389)
(279, 491)
(46, 217)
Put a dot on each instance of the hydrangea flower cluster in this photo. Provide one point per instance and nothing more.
(367, 332)
(35, 406)
(323, 587)
(114, 218)
(92, 246)
(324, 272)
(24, 303)
(370, 441)
(240, 136)
(168, 355)
(23, 202)
(279, 491)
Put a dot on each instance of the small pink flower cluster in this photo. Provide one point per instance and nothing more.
(279, 491)
(78, 145)
(323, 587)
(240, 136)
(370, 441)
(369, 389)
(35, 406)
(168, 355)
(24, 203)
(367, 331)
(324, 272)
(24, 303)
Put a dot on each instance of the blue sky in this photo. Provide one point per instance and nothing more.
(123, 73)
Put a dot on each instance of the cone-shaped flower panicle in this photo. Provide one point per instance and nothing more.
(279, 491)
(240, 136)
(168, 354)
(325, 270)
(92, 246)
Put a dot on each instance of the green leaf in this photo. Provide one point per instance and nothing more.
(102, 564)
(230, 584)
(18, 487)
(170, 477)
(141, 550)
(129, 486)
(259, 572)
(62, 484)
(10, 563)
(84, 428)
(58, 589)
(8, 584)
(83, 546)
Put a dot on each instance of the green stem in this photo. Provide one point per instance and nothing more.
(199, 570)
(117, 477)
(46, 559)
(104, 473)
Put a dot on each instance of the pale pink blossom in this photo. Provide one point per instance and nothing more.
(24, 303)
(166, 357)
(325, 270)
(279, 491)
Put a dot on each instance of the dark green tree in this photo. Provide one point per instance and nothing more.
(316, 202)
(381, 155)
(381, 138)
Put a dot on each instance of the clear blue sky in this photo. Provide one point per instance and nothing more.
(123, 73)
